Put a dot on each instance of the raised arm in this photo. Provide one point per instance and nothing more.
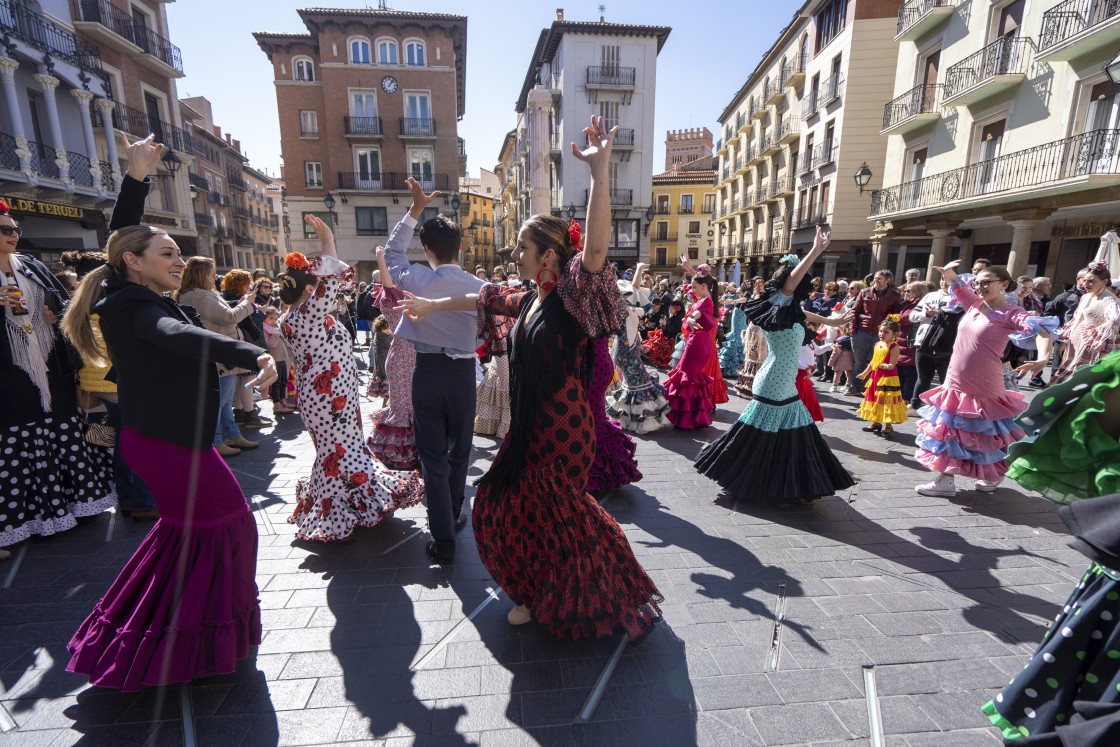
(143, 156)
(820, 243)
(597, 155)
(383, 268)
(324, 233)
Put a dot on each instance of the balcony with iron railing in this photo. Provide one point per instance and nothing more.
(243, 240)
(611, 76)
(919, 17)
(1077, 28)
(686, 210)
(43, 34)
(768, 144)
(997, 67)
(726, 172)
(762, 193)
(217, 198)
(832, 90)
(389, 181)
(737, 165)
(200, 183)
(913, 110)
(810, 219)
(43, 160)
(136, 122)
(825, 153)
(759, 110)
(362, 126)
(793, 72)
(624, 139)
(774, 92)
(788, 130)
(1084, 161)
(741, 121)
(754, 155)
(118, 29)
(421, 127)
(779, 189)
(811, 105)
(805, 162)
(202, 220)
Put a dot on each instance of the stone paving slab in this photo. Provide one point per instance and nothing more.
(366, 644)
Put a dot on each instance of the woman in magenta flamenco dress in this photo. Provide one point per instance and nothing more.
(393, 437)
(969, 421)
(614, 464)
(689, 388)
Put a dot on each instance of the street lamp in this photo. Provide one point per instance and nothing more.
(1112, 69)
(649, 218)
(329, 202)
(171, 162)
(571, 211)
(862, 177)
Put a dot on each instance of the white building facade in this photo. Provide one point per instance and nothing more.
(580, 69)
(1003, 136)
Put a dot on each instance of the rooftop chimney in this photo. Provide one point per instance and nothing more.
(559, 14)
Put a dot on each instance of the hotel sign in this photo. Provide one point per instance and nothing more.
(45, 209)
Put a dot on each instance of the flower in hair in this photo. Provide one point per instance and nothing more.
(576, 235)
(789, 260)
(892, 318)
(703, 271)
(1097, 266)
(4, 208)
(296, 261)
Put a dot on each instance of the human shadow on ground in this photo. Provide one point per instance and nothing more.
(991, 606)
(376, 637)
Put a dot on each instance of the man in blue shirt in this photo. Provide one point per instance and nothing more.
(443, 381)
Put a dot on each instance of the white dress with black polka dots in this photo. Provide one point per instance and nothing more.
(347, 487)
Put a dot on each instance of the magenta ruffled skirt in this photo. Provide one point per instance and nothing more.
(186, 603)
(968, 435)
(615, 464)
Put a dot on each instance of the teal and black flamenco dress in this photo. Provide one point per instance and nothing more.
(774, 452)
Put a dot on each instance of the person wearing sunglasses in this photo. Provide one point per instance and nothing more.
(49, 475)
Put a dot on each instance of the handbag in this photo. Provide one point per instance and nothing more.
(942, 332)
(100, 434)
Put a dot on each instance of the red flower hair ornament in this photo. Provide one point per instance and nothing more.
(4, 208)
(296, 261)
(575, 234)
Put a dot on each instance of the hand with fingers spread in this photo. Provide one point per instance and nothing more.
(949, 271)
(322, 231)
(419, 199)
(143, 156)
(600, 142)
(414, 307)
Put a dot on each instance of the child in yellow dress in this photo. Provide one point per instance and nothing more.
(882, 403)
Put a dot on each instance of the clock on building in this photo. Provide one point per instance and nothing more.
(389, 84)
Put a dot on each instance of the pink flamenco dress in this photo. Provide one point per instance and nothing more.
(393, 440)
(689, 388)
(615, 464)
(348, 487)
(969, 421)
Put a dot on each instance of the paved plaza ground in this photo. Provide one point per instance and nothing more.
(366, 643)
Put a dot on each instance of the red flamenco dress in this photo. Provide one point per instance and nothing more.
(549, 544)
(689, 388)
(660, 348)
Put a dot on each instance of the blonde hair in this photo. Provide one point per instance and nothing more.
(237, 282)
(76, 323)
(195, 275)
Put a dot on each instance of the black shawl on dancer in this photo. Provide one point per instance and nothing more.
(772, 317)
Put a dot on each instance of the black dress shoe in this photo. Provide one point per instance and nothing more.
(461, 519)
(441, 551)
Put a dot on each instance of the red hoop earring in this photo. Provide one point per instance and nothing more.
(546, 285)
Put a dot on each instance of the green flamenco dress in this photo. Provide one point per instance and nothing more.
(1069, 691)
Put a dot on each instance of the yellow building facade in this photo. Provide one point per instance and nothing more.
(683, 202)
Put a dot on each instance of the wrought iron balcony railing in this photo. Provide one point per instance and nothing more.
(203, 220)
(915, 10)
(158, 47)
(389, 181)
(788, 128)
(1005, 56)
(1082, 155)
(809, 219)
(362, 126)
(611, 75)
(794, 69)
(46, 35)
(199, 182)
(825, 153)
(418, 127)
(9, 161)
(127, 27)
(832, 90)
(43, 160)
(920, 100)
(1070, 18)
(137, 122)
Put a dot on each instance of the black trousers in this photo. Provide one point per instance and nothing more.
(443, 400)
(927, 365)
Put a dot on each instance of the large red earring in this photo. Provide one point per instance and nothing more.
(546, 285)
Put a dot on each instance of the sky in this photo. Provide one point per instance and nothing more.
(704, 62)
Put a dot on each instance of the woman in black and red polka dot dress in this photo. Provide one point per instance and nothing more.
(561, 558)
(348, 487)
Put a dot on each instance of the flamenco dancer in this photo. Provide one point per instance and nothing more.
(347, 487)
(639, 404)
(1068, 692)
(883, 405)
(392, 438)
(731, 353)
(560, 557)
(185, 604)
(774, 453)
(711, 366)
(689, 388)
(492, 409)
(968, 421)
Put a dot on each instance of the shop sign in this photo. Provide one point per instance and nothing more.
(45, 209)
(1085, 230)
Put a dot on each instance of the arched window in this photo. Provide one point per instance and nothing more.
(387, 52)
(414, 53)
(303, 69)
(359, 51)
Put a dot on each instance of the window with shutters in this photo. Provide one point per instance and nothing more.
(1103, 107)
(988, 148)
(308, 123)
(611, 57)
(313, 171)
(916, 169)
(608, 110)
